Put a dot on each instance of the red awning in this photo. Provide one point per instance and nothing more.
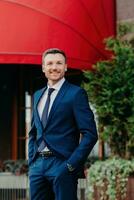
(28, 27)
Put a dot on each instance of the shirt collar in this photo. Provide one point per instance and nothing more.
(58, 85)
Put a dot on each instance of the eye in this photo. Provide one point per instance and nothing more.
(49, 63)
(59, 63)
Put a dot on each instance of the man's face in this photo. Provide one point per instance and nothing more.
(54, 67)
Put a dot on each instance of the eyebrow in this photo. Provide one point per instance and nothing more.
(56, 61)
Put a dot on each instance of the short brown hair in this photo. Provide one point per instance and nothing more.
(53, 51)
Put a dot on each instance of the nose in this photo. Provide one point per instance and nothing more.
(54, 66)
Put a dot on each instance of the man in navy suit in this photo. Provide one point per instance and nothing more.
(61, 113)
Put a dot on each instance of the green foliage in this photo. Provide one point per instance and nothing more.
(111, 91)
(125, 28)
(109, 178)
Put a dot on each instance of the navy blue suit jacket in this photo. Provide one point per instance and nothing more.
(69, 116)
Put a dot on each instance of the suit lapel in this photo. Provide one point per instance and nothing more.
(57, 100)
(37, 99)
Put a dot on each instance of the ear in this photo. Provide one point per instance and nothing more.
(66, 68)
(43, 68)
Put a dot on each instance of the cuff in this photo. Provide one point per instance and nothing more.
(70, 167)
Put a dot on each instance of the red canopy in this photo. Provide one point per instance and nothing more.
(28, 27)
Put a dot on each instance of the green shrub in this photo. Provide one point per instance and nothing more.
(110, 178)
(110, 89)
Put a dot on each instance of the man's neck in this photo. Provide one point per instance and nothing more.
(52, 83)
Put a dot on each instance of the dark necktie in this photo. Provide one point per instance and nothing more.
(45, 116)
(46, 107)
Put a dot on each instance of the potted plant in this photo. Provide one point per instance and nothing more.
(17, 167)
(111, 91)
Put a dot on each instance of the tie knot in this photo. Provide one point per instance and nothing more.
(50, 90)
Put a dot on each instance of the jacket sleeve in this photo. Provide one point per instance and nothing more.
(86, 124)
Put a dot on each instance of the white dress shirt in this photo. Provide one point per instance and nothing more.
(43, 99)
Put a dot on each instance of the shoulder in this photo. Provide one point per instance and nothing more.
(38, 92)
(77, 94)
(76, 89)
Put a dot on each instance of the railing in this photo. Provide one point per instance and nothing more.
(14, 187)
(82, 185)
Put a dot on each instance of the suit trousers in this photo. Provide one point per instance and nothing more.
(50, 179)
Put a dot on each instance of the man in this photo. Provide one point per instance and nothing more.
(61, 113)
